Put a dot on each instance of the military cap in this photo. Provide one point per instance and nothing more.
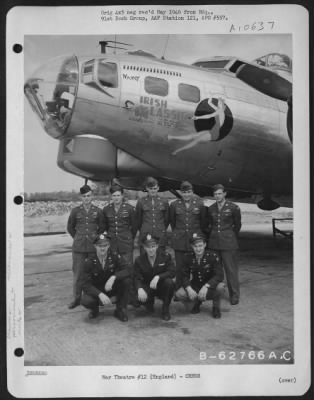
(185, 186)
(102, 238)
(218, 187)
(150, 239)
(151, 182)
(197, 237)
(116, 188)
(85, 189)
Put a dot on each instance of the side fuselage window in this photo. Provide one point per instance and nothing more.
(189, 93)
(108, 74)
(156, 86)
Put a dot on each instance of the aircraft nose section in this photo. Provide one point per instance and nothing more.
(51, 92)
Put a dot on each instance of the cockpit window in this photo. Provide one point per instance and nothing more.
(157, 86)
(261, 61)
(189, 93)
(278, 60)
(212, 64)
(108, 74)
(275, 61)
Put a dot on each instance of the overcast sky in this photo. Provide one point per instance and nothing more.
(41, 173)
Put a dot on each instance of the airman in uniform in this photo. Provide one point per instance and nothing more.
(105, 275)
(153, 274)
(119, 218)
(84, 224)
(224, 227)
(152, 214)
(187, 216)
(202, 272)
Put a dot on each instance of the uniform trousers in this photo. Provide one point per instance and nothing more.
(164, 291)
(212, 294)
(179, 257)
(230, 264)
(78, 261)
(120, 289)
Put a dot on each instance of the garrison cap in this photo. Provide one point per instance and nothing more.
(151, 182)
(116, 188)
(102, 238)
(85, 189)
(185, 186)
(197, 237)
(218, 187)
(150, 239)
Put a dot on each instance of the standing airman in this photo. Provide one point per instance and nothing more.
(224, 227)
(84, 224)
(119, 219)
(152, 214)
(187, 216)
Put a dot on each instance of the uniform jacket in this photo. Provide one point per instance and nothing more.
(144, 272)
(208, 271)
(84, 226)
(224, 226)
(152, 217)
(94, 276)
(186, 221)
(121, 227)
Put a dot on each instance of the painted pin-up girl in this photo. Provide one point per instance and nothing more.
(204, 135)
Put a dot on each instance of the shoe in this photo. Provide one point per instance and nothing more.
(234, 300)
(216, 312)
(196, 309)
(74, 304)
(166, 316)
(93, 313)
(121, 315)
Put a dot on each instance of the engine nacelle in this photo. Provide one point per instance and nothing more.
(96, 158)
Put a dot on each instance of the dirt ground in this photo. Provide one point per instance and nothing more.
(258, 330)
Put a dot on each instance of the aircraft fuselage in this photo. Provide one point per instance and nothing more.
(133, 116)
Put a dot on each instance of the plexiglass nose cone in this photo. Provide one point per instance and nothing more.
(51, 92)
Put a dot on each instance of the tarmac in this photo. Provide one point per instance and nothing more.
(259, 330)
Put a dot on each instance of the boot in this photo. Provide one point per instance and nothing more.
(74, 304)
(121, 314)
(93, 313)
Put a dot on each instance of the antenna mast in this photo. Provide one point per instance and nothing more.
(163, 54)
